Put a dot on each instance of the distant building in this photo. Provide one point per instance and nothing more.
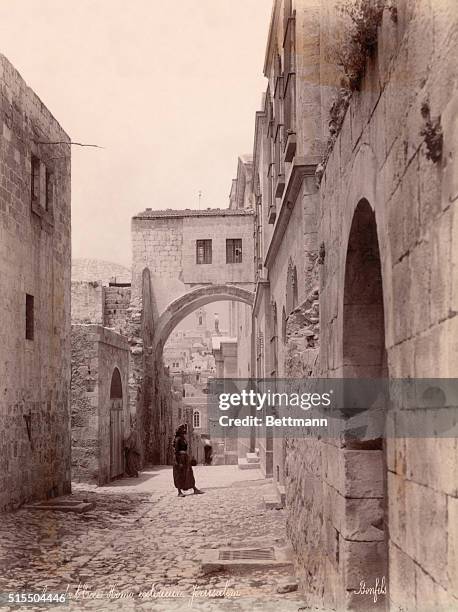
(100, 417)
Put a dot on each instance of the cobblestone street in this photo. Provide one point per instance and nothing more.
(141, 534)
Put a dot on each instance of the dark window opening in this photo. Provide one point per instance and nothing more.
(29, 316)
(49, 190)
(116, 385)
(203, 251)
(35, 180)
(234, 250)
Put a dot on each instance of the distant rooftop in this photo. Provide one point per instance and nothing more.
(99, 270)
(149, 213)
(218, 340)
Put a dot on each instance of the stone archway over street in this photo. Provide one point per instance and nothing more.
(184, 305)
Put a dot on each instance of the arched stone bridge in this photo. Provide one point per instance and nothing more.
(190, 301)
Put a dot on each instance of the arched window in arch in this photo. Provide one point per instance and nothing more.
(196, 419)
(116, 385)
(116, 425)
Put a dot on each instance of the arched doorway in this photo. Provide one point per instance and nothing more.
(364, 357)
(116, 426)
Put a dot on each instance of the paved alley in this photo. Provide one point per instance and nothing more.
(140, 547)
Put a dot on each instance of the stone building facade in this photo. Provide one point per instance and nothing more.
(35, 296)
(182, 260)
(100, 408)
(356, 198)
(287, 149)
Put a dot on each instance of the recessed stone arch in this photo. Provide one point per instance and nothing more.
(190, 301)
(364, 352)
(116, 385)
(116, 416)
(364, 357)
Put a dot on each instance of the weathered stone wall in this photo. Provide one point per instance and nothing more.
(337, 495)
(96, 352)
(165, 243)
(84, 404)
(87, 302)
(218, 229)
(116, 305)
(141, 371)
(34, 260)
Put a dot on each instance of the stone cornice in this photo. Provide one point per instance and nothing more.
(301, 168)
(261, 286)
(271, 38)
(192, 212)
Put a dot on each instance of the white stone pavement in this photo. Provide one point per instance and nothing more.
(141, 534)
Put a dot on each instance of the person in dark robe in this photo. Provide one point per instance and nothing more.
(183, 475)
(132, 453)
(208, 450)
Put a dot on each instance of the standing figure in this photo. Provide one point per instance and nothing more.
(132, 452)
(208, 450)
(183, 476)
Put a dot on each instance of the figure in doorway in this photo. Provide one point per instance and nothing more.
(183, 475)
(132, 452)
(208, 450)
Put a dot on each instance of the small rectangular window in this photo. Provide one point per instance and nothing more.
(234, 250)
(29, 317)
(49, 190)
(35, 180)
(203, 251)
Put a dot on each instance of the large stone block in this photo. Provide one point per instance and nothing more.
(420, 287)
(401, 579)
(426, 514)
(397, 509)
(454, 256)
(433, 462)
(401, 297)
(355, 519)
(442, 265)
(430, 596)
(354, 473)
(452, 548)
(362, 561)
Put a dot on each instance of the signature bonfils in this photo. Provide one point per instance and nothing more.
(379, 588)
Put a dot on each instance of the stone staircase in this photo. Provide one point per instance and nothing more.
(275, 498)
(250, 462)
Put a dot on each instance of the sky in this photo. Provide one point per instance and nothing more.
(169, 88)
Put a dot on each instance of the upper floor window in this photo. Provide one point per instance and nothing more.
(35, 180)
(48, 189)
(203, 251)
(234, 250)
(196, 419)
(29, 317)
(41, 187)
